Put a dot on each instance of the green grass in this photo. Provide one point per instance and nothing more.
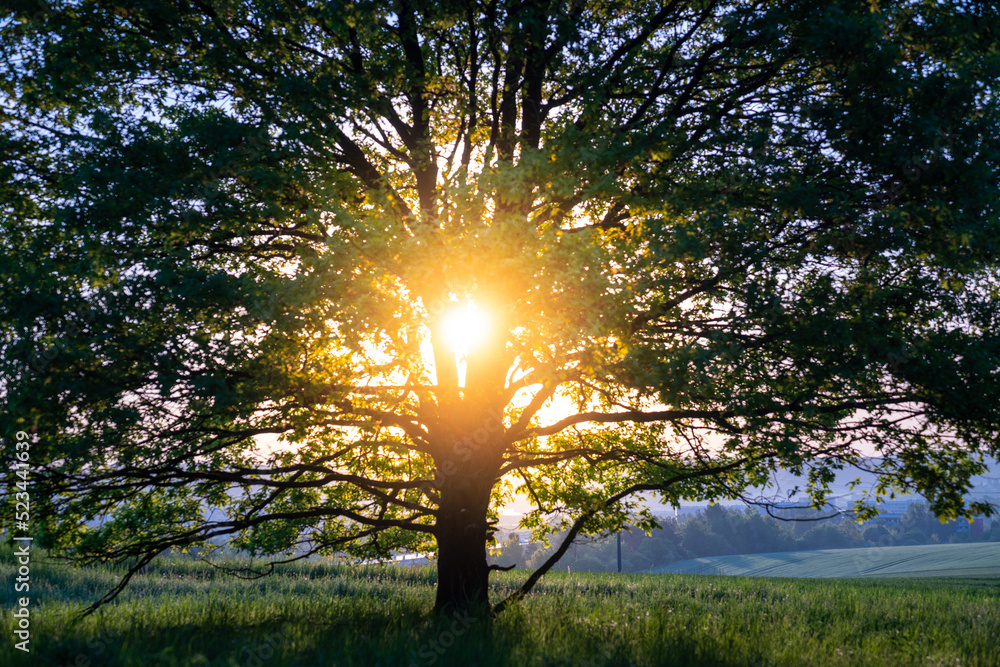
(980, 560)
(184, 613)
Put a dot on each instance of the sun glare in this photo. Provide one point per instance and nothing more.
(465, 328)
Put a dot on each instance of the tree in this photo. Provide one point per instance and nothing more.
(877, 536)
(510, 554)
(756, 534)
(701, 540)
(710, 239)
(826, 536)
(918, 516)
(851, 532)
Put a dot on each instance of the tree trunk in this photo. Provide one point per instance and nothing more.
(462, 531)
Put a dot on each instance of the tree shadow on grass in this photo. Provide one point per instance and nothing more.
(371, 638)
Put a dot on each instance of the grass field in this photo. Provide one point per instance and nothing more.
(185, 613)
(934, 560)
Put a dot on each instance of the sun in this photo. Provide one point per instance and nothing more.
(465, 327)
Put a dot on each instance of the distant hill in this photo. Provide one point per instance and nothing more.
(934, 560)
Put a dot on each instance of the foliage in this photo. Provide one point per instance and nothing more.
(826, 536)
(877, 534)
(712, 238)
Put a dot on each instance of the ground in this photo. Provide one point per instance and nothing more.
(186, 613)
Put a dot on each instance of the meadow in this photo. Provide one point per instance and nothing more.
(928, 560)
(183, 612)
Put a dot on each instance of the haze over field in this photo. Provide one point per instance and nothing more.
(842, 496)
(931, 560)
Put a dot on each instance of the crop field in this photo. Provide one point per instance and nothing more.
(934, 560)
(183, 612)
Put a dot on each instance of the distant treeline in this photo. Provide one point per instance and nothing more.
(722, 531)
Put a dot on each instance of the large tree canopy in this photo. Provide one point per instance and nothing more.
(705, 240)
